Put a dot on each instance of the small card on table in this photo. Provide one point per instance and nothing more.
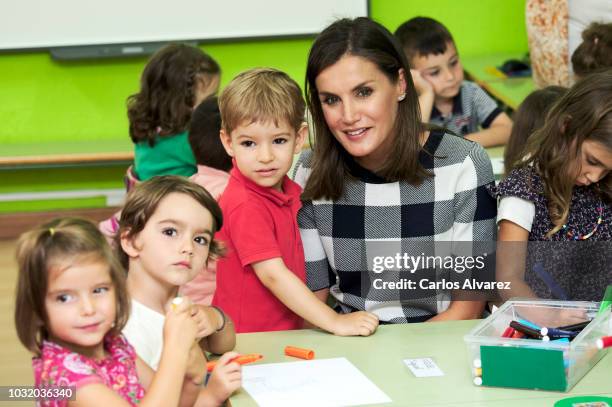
(423, 367)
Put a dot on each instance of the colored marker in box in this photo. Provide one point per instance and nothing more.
(529, 324)
(558, 333)
(575, 327)
(604, 342)
(530, 332)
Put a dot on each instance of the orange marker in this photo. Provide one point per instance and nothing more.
(242, 360)
(299, 352)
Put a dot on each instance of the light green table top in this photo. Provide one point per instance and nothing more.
(380, 357)
(483, 69)
(511, 91)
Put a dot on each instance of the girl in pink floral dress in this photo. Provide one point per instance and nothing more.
(71, 305)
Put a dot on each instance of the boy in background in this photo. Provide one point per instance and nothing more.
(261, 281)
(445, 98)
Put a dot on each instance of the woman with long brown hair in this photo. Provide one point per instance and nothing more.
(378, 180)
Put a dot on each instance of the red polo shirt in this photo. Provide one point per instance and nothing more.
(259, 224)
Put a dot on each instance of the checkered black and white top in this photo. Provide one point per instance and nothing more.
(472, 108)
(340, 236)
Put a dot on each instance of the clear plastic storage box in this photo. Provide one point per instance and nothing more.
(555, 365)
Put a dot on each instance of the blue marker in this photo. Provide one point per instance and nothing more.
(558, 333)
(575, 327)
(530, 324)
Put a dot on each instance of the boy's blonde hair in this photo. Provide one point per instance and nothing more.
(50, 245)
(261, 95)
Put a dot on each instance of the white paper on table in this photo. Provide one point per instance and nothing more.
(321, 382)
(423, 367)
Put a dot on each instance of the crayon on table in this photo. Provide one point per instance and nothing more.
(242, 360)
(301, 353)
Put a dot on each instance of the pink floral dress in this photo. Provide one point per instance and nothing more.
(59, 366)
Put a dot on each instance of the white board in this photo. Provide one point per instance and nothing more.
(28, 24)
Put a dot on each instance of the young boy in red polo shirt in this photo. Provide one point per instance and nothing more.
(260, 282)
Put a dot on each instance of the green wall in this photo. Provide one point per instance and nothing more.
(478, 26)
(42, 100)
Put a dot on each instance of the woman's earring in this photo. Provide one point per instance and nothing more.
(401, 97)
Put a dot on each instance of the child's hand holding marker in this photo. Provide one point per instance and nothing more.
(226, 378)
(356, 323)
(180, 303)
(179, 328)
